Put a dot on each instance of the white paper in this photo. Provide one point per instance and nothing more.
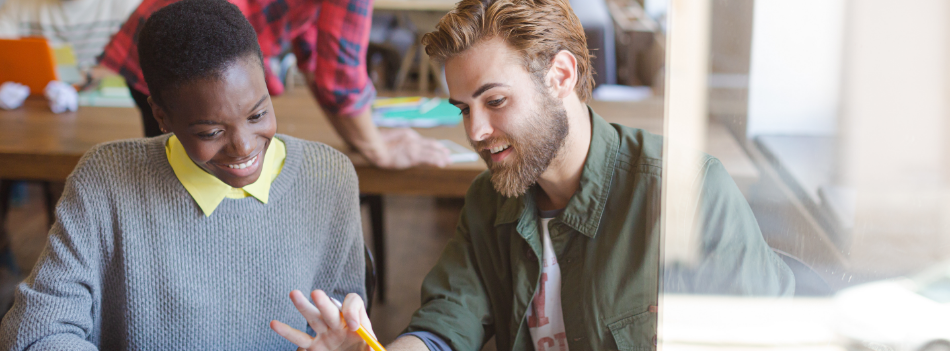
(62, 97)
(459, 153)
(12, 95)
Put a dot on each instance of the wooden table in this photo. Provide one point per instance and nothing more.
(36, 144)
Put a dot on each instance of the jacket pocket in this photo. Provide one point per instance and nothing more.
(634, 332)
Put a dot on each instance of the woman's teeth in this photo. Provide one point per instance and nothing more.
(498, 149)
(244, 165)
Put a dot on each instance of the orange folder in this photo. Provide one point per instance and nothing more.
(28, 61)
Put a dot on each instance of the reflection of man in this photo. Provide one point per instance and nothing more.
(557, 246)
(330, 39)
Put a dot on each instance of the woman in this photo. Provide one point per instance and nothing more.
(191, 240)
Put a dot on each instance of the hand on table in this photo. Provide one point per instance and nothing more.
(398, 148)
(405, 148)
(93, 76)
(323, 316)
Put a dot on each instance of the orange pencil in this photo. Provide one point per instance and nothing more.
(369, 339)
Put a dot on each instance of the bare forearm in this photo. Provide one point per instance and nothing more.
(407, 343)
(393, 148)
(361, 133)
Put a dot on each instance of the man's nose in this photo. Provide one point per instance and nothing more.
(478, 125)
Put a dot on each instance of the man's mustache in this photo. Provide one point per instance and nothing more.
(480, 146)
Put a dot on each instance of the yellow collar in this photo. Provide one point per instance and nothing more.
(208, 191)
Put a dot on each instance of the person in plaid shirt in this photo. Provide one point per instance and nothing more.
(329, 39)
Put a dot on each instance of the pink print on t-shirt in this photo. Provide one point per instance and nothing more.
(545, 318)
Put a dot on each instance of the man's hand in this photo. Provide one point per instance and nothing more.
(92, 77)
(333, 333)
(406, 148)
(389, 148)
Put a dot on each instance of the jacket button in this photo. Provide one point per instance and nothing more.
(654, 340)
(529, 254)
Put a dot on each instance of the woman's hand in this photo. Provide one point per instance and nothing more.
(333, 333)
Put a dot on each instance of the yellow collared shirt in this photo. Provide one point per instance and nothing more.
(208, 191)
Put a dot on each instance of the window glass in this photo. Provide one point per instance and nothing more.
(806, 170)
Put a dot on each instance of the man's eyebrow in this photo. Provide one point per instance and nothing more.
(258, 104)
(485, 88)
(478, 92)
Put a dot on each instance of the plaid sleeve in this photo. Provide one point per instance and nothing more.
(121, 54)
(334, 51)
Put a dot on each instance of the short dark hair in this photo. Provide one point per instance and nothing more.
(193, 39)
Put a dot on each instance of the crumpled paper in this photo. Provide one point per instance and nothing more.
(62, 97)
(12, 95)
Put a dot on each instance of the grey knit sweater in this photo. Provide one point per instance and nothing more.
(133, 264)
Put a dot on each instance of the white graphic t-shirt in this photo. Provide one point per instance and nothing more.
(545, 318)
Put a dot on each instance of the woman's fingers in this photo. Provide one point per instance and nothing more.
(357, 303)
(295, 336)
(354, 311)
(329, 311)
(323, 316)
(308, 311)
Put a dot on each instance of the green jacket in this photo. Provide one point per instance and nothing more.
(607, 243)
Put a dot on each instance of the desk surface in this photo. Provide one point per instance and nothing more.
(36, 144)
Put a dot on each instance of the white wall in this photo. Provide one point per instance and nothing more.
(795, 69)
(895, 96)
(894, 134)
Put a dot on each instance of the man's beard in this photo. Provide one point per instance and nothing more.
(536, 143)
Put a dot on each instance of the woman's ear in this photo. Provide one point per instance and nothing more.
(562, 76)
(159, 114)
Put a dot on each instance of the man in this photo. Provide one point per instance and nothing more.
(557, 247)
(330, 39)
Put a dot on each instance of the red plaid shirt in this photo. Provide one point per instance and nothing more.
(329, 38)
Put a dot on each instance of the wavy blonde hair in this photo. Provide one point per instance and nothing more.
(537, 29)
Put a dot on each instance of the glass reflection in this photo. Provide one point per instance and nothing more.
(841, 108)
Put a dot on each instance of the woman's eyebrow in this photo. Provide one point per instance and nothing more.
(258, 104)
(204, 121)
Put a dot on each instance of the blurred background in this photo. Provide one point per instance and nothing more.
(830, 115)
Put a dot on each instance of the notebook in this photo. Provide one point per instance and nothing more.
(416, 112)
(28, 61)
